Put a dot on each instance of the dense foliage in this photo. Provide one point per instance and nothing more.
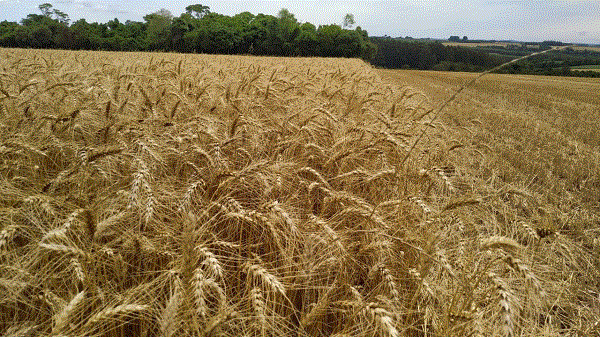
(197, 30)
(427, 55)
(558, 63)
(398, 53)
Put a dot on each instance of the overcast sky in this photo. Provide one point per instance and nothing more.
(576, 21)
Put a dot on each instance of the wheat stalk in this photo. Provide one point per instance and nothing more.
(63, 318)
(63, 249)
(6, 235)
(507, 305)
(112, 313)
(266, 279)
(383, 320)
(61, 232)
(211, 263)
(438, 111)
(169, 322)
(258, 305)
(501, 242)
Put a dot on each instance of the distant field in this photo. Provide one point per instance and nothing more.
(485, 44)
(567, 103)
(587, 68)
(595, 49)
(506, 44)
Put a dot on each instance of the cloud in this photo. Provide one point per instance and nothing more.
(88, 7)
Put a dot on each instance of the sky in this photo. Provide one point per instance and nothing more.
(572, 21)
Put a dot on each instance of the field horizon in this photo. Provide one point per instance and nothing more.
(158, 194)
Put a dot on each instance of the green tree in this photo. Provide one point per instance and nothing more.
(40, 37)
(241, 23)
(85, 36)
(61, 17)
(46, 9)
(158, 29)
(264, 35)
(287, 30)
(198, 10)
(39, 31)
(307, 40)
(8, 34)
(197, 30)
(327, 36)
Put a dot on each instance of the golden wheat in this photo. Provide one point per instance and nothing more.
(165, 194)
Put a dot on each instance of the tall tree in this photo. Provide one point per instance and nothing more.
(61, 17)
(181, 26)
(348, 21)
(46, 9)
(288, 30)
(198, 10)
(197, 30)
(307, 40)
(158, 29)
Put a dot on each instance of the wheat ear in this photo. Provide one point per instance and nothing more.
(111, 313)
(63, 318)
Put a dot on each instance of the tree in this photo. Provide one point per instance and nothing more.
(164, 13)
(113, 24)
(181, 26)
(158, 29)
(287, 30)
(85, 36)
(40, 37)
(197, 30)
(348, 21)
(327, 36)
(454, 38)
(241, 24)
(198, 10)
(8, 34)
(307, 40)
(61, 17)
(285, 14)
(263, 34)
(46, 9)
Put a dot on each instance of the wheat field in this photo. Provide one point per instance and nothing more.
(191, 195)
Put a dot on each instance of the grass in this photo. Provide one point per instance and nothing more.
(165, 194)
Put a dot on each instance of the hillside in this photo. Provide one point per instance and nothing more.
(175, 195)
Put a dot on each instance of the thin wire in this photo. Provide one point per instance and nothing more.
(462, 87)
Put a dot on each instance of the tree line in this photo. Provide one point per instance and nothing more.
(557, 63)
(197, 30)
(431, 55)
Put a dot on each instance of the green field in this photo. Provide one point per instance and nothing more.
(593, 67)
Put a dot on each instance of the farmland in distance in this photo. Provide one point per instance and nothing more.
(589, 67)
(193, 195)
